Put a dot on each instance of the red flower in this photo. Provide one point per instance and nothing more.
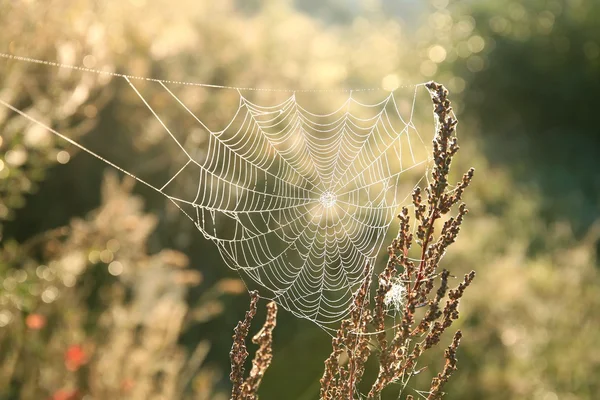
(63, 394)
(35, 321)
(75, 357)
(127, 385)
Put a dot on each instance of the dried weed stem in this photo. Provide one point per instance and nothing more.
(412, 285)
(247, 389)
(401, 346)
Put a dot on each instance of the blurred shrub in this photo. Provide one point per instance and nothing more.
(526, 73)
(86, 311)
(530, 72)
(27, 150)
(529, 318)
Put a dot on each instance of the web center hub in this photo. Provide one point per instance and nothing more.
(327, 199)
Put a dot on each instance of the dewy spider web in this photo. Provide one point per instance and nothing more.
(296, 201)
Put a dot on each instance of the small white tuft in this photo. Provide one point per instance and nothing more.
(396, 296)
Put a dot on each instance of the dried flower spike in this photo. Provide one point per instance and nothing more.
(406, 285)
(239, 353)
(264, 354)
(247, 389)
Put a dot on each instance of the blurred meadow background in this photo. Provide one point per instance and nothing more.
(108, 291)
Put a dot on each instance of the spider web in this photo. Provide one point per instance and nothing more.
(296, 201)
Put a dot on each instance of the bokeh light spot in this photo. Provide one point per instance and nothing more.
(20, 275)
(9, 284)
(39, 271)
(390, 82)
(463, 50)
(5, 317)
(63, 157)
(440, 21)
(509, 337)
(50, 294)
(89, 61)
(94, 256)
(428, 68)
(37, 136)
(457, 84)
(499, 24)
(475, 63)
(476, 44)
(106, 256)
(465, 26)
(115, 268)
(437, 53)
(69, 280)
(545, 22)
(48, 274)
(516, 11)
(113, 245)
(16, 157)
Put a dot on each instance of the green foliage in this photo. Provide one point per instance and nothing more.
(533, 100)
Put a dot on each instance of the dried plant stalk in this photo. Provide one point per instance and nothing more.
(338, 382)
(239, 353)
(247, 389)
(264, 354)
(404, 286)
(440, 380)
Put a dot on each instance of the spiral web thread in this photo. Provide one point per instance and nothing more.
(298, 202)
